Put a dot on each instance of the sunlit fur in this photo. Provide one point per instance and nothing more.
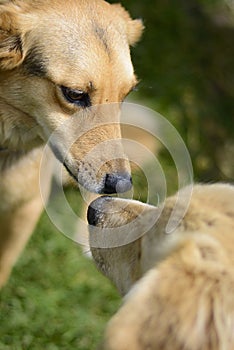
(181, 284)
(82, 45)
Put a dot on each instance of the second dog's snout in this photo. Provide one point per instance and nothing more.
(117, 183)
(92, 216)
(96, 209)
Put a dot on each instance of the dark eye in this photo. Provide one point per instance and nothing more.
(77, 97)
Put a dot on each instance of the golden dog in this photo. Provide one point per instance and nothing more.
(58, 58)
(185, 299)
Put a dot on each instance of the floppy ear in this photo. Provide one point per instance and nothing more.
(134, 27)
(11, 46)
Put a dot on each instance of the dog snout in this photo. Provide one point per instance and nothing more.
(117, 183)
(92, 216)
(96, 210)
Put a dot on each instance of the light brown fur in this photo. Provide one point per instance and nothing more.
(183, 282)
(82, 45)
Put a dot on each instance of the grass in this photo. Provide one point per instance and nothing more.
(55, 298)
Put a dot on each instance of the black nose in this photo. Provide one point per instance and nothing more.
(117, 183)
(95, 210)
(91, 216)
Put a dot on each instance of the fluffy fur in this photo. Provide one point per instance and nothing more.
(183, 282)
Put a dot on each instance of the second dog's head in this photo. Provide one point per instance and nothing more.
(128, 238)
(59, 59)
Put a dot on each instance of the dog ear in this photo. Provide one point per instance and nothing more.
(135, 30)
(11, 46)
(134, 27)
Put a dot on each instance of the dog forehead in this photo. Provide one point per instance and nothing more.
(83, 45)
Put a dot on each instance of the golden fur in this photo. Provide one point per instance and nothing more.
(44, 46)
(183, 297)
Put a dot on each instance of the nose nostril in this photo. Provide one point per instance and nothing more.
(117, 183)
(91, 216)
(96, 210)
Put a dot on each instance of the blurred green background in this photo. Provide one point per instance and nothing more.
(186, 63)
(55, 298)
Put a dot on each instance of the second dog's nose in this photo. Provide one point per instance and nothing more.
(96, 209)
(117, 183)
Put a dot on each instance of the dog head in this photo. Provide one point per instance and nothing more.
(57, 61)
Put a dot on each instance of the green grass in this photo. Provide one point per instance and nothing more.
(55, 298)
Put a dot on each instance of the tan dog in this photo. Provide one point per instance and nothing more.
(58, 58)
(186, 299)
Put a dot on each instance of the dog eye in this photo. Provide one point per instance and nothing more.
(77, 97)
